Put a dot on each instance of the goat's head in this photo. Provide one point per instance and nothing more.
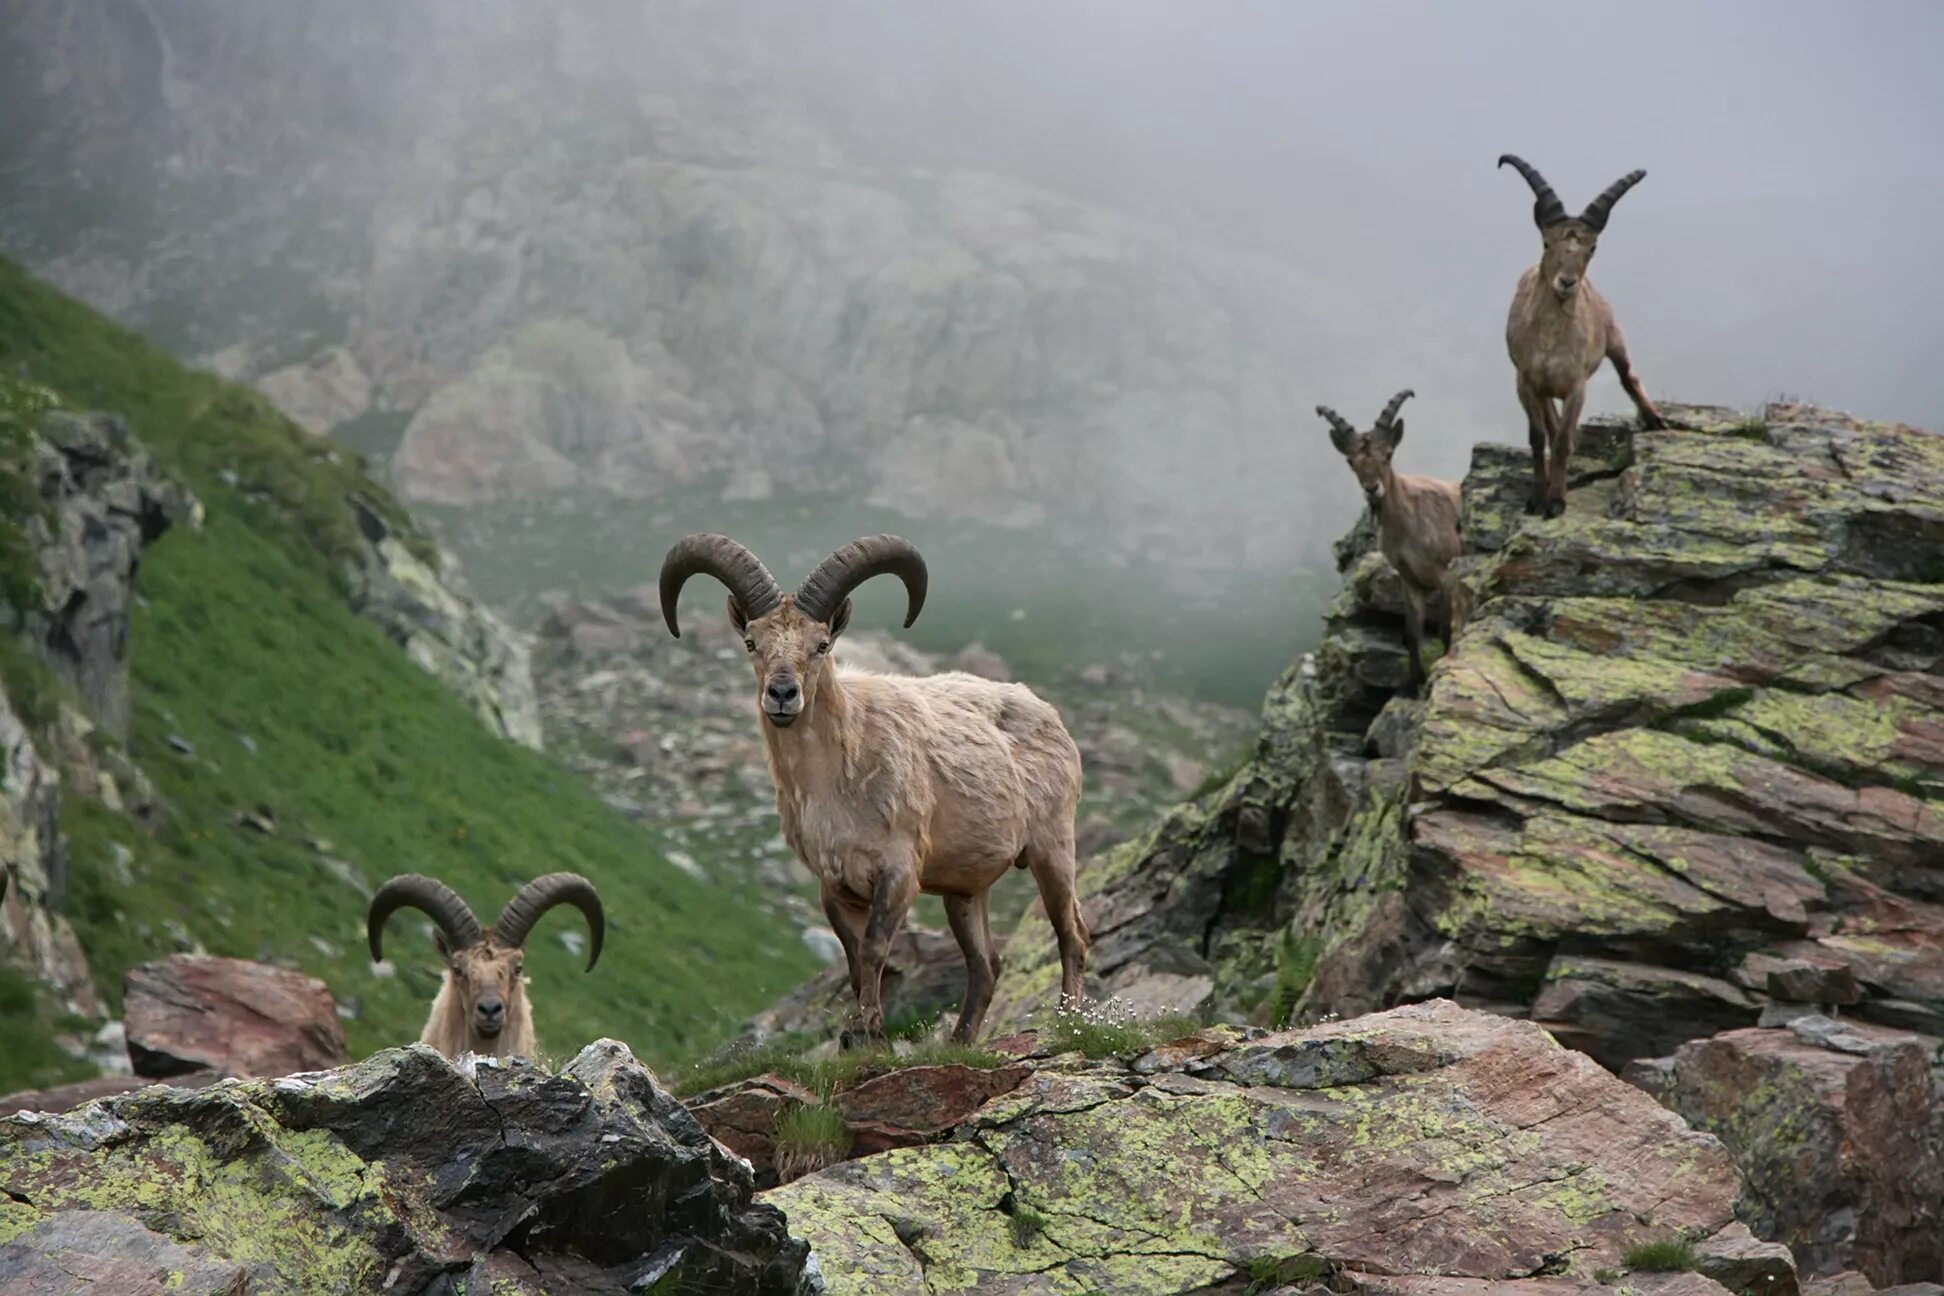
(1369, 452)
(789, 636)
(1569, 240)
(485, 967)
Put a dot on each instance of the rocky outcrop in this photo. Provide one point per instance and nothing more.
(404, 1174)
(428, 613)
(102, 500)
(1687, 760)
(34, 937)
(195, 1012)
(1839, 1131)
(1429, 1145)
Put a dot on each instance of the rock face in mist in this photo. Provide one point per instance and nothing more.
(1682, 773)
(403, 1174)
(574, 268)
(429, 614)
(1463, 1149)
(85, 501)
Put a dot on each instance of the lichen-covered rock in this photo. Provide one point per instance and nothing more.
(110, 1253)
(1429, 1140)
(194, 1012)
(1839, 1131)
(406, 1174)
(34, 936)
(1697, 721)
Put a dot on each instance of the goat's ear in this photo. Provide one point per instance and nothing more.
(840, 618)
(736, 617)
(438, 939)
(1394, 433)
(1344, 442)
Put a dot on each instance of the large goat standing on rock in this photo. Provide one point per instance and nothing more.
(482, 1004)
(889, 785)
(1559, 331)
(1417, 525)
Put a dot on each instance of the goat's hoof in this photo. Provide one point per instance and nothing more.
(854, 1039)
(1554, 508)
(1532, 505)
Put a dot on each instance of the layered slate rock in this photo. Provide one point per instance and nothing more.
(1685, 762)
(195, 1012)
(1839, 1130)
(1462, 1148)
(403, 1173)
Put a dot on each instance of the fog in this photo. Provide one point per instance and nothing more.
(1783, 243)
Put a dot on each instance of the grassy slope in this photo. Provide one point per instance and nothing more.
(245, 634)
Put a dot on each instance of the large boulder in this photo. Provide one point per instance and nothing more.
(1839, 1131)
(191, 1012)
(404, 1174)
(1464, 1149)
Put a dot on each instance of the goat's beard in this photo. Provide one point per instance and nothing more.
(488, 1031)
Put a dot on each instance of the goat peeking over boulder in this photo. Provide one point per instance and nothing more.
(482, 1005)
(1560, 329)
(1417, 524)
(888, 785)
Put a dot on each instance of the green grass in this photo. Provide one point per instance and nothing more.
(1295, 967)
(1665, 1256)
(788, 1056)
(808, 1137)
(1102, 1030)
(32, 1059)
(242, 639)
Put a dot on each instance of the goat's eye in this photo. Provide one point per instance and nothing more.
(749, 645)
(823, 647)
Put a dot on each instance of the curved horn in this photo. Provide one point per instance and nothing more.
(1389, 416)
(755, 590)
(1600, 208)
(542, 894)
(826, 588)
(429, 896)
(1548, 210)
(1342, 434)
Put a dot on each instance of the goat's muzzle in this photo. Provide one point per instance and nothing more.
(782, 701)
(1564, 286)
(488, 1017)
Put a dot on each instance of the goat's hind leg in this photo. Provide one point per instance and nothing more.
(1616, 352)
(1414, 636)
(1053, 869)
(972, 926)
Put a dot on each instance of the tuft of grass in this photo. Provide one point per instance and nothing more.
(1112, 1028)
(1295, 968)
(1673, 1255)
(789, 1057)
(808, 1137)
(243, 629)
(1028, 1225)
(33, 1059)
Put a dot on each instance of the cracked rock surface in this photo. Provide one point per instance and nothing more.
(1465, 1150)
(403, 1173)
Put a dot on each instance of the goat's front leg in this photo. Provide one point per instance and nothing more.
(1559, 452)
(891, 897)
(1616, 351)
(1538, 412)
(972, 926)
(847, 919)
(1414, 635)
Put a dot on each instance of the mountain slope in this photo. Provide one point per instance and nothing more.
(300, 756)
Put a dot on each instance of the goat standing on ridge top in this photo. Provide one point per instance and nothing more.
(889, 785)
(1417, 524)
(1560, 329)
(482, 1004)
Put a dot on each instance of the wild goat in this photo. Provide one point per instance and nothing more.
(1417, 524)
(889, 785)
(1560, 329)
(482, 1005)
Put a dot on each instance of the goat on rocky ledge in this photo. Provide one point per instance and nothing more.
(1417, 524)
(888, 785)
(1560, 329)
(482, 1004)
